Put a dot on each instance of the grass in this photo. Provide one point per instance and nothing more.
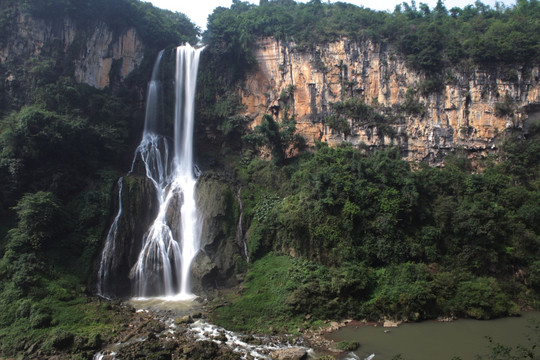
(261, 308)
(69, 311)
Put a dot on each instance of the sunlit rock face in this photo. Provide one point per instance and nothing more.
(462, 114)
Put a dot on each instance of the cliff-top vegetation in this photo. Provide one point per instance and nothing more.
(429, 38)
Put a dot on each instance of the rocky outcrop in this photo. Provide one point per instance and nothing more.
(289, 354)
(461, 114)
(221, 255)
(97, 53)
(105, 50)
(139, 208)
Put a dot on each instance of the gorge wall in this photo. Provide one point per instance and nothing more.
(97, 53)
(461, 114)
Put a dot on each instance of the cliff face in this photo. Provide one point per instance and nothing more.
(97, 53)
(462, 114)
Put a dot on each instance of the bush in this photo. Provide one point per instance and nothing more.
(482, 298)
(411, 105)
(338, 123)
(348, 345)
(404, 291)
(39, 320)
(506, 107)
(60, 339)
(328, 292)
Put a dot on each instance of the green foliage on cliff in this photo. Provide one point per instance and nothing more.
(362, 114)
(279, 137)
(429, 38)
(373, 238)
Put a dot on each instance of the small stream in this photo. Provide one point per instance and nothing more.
(428, 340)
(258, 349)
(461, 339)
(171, 310)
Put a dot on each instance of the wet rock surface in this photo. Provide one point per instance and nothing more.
(161, 335)
(289, 354)
(166, 334)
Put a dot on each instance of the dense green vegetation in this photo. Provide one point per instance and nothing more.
(63, 145)
(372, 238)
(429, 38)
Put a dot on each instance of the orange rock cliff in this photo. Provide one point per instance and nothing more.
(462, 114)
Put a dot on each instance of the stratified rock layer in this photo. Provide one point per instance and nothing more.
(461, 115)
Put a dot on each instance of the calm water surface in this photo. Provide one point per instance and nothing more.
(431, 340)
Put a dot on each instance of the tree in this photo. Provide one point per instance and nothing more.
(40, 220)
(276, 136)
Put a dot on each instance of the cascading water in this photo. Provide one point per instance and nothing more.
(107, 257)
(163, 266)
(173, 239)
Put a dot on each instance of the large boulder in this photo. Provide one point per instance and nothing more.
(219, 209)
(204, 271)
(289, 354)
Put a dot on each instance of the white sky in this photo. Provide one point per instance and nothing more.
(198, 10)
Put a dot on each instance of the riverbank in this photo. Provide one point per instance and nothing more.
(159, 329)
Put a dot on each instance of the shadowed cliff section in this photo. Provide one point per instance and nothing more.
(222, 259)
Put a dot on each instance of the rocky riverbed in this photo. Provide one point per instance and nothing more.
(172, 330)
(163, 334)
(166, 334)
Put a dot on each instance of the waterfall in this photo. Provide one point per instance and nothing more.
(173, 238)
(163, 266)
(239, 228)
(107, 255)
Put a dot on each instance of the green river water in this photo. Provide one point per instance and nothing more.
(432, 340)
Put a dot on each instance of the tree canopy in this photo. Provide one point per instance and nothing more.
(429, 38)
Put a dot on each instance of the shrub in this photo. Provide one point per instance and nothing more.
(348, 345)
(482, 298)
(60, 339)
(506, 107)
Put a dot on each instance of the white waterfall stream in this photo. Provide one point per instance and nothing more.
(163, 266)
(173, 239)
(109, 248)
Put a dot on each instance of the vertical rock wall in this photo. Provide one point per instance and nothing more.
(98, 53)
(462, 114)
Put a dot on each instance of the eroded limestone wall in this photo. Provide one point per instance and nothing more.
(94, 51)
(461, 115)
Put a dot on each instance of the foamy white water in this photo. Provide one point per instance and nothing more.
(163, 266)
(173, 239)
(107, 255)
